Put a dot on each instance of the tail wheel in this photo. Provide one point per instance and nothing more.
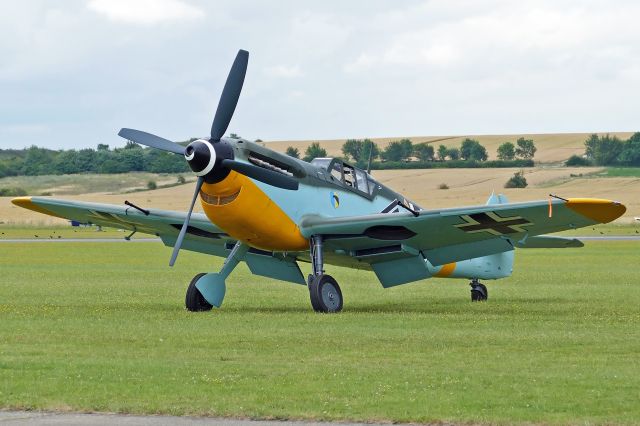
(194, 301)
(479, 292)
(325, 294)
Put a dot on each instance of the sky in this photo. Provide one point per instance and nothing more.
(72, 73)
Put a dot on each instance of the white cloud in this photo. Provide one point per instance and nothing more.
(145, 11)
(284, 71)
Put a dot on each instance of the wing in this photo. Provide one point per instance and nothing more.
(202, 236)
(452, 235)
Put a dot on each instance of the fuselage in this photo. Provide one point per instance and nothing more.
(268, 218)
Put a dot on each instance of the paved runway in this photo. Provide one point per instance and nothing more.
(47, 419)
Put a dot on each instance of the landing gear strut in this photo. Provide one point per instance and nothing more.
(479, 292)
(207, 290)
(323, 289)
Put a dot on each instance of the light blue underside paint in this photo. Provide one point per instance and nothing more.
(212, 286)
(270, 267)
(312, 200)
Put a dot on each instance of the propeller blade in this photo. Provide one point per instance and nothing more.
(263, 175)
(147, 139)
(185, 225)
(230, 95)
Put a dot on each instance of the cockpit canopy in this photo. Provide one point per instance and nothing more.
(346, 174)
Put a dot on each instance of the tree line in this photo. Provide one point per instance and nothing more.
(608, 150)
(131, 158)
(470, 152)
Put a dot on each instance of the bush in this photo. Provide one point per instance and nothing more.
(12, 192)
(152, 185)
(181, 179)
(516, 181)
(443, 186)
(576, 161)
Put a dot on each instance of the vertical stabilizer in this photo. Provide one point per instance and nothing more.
(497, 199)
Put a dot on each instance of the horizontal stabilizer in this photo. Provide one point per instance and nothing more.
(545, 241)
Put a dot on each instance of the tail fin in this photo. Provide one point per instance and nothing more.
(497, 199)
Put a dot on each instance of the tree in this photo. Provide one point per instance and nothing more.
(526, 149)
(442, 153)
(453, 153)
(398, 150)
(38, 161)
(314, 151)
(359, 150)
(507, 151)
(603, 150)
(103, 147)
(423, 151)
(293, 152)
(630, 154)
(369, 150)
(472, 150)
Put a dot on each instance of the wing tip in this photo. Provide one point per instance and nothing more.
(24, 202)
(27, 203)
(600, 210)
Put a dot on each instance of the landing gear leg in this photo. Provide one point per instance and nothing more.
(324, 291)
(208, 290)
(479, 292)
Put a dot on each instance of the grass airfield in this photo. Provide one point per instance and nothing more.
(95, 327)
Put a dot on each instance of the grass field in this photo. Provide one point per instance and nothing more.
(95, 327)
(85, 183)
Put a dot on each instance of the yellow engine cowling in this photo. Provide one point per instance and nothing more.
(246, 213)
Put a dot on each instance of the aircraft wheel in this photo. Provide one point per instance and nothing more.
(479, 292)
(194, 301)
(325, 294)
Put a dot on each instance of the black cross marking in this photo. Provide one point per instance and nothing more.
(492, 223)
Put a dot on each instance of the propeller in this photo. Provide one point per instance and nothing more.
(212, 160)
(263, 175)
(185, 225)
(147, 139)
(230, 95)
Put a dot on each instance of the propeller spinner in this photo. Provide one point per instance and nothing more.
(212, 160)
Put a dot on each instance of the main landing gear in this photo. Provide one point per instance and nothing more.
(324, 291)
(479, 292)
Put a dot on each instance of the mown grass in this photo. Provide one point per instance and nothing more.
(620, 172)
(95, 327)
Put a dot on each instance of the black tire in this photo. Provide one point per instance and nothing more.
(325, 294)
(194, 301)
(479, 293)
